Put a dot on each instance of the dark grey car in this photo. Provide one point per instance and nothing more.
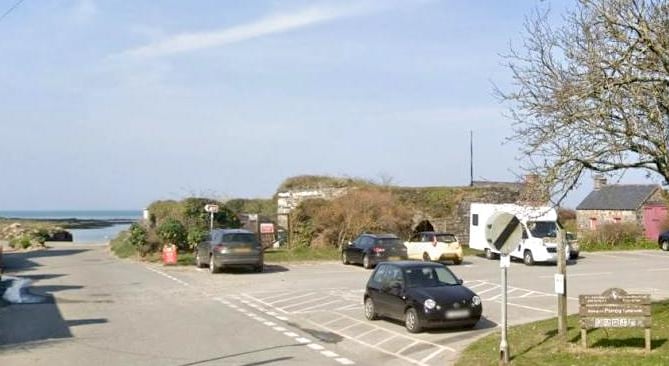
(230, 247)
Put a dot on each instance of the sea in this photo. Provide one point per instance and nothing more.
(97, 235)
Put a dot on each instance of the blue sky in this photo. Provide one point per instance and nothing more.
(114, 104)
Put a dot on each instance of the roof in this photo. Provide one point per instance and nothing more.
(409, 263)
(618, 197)
(382, 236)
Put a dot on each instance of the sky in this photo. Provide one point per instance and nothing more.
(115, 104)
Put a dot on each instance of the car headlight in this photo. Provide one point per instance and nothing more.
(476, 301)
(430, 304)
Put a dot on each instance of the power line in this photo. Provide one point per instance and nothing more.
(16, 5)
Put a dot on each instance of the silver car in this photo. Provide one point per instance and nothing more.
(230, 247)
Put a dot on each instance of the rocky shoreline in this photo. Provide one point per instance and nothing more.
(69, 223)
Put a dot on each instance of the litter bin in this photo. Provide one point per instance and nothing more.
(170, 254)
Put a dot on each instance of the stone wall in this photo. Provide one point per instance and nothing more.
(585, 217)
(458, 221)
(288, 201)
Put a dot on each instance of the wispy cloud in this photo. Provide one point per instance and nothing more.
(271, 24)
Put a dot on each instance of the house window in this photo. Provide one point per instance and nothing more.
(616, 220)
(593, 223)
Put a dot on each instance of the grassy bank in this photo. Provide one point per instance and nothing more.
(537, 344)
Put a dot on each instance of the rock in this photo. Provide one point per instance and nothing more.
(60, 235)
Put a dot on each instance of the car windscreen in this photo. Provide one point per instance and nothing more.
(239, 239)
(446, 238)
(542, 229)
(429, 277)
(389, 242)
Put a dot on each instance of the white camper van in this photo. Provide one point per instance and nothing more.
(539, 225)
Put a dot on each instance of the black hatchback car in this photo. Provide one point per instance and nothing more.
(422, 294)
(370, 249)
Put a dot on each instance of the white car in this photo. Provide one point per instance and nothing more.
(433, 246)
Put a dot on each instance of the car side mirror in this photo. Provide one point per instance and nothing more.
(460, 281)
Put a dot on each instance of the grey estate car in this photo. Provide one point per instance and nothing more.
(230, 247)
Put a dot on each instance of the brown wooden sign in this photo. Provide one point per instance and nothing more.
(615, 308)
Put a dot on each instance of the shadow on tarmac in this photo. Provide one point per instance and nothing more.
(29, 312)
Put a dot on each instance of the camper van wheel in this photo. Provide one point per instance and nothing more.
(489, 254)
(528, 258)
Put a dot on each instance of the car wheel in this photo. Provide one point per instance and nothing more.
(457, 261)
(528, 259)
(212, 265)
(411, 321)
(344, 258)
(366, 262)
(259, 268)
(370, 309)
(573, 255)
(665, 245)
(198, 261)
(489, 254)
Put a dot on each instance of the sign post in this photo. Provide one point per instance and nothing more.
(561, 286)
(212, 209)
(503, 231)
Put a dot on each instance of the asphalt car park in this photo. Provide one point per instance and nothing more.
(323, 302)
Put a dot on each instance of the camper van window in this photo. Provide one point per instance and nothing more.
(475, 219)
(542, 229)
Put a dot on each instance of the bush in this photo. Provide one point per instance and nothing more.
(321, 223)
(613, 235)
(23, 241)
(172, 231)
(195, 236)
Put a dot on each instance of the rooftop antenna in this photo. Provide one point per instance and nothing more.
(471, 158)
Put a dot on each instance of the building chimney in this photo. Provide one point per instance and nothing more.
(600, 181)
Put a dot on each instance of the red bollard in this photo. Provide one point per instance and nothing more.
(169, 254)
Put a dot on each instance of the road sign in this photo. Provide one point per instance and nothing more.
(503, 231)
(211, 208)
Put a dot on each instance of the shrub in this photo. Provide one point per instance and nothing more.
(172, 231)
(195, 236)
(612, 235)
(137, 235)
(22, 241)
(321, 223)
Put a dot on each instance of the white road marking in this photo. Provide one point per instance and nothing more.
(270, 324)
(367, 332)
(431, 355)
(657, 269)
(292, 298)
(304, 302)
(407, 347)
(280, 329)
(318, 306)
(344, 361)
(384, 341)
(496, 287)
(582, 274)
(329, 354)
(315, 346)
(291, 334)
(303, 340)
(282, 318)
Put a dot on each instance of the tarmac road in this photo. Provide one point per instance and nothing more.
(117, 312)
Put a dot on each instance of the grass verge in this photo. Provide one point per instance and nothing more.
(301, 254)
(537, 344)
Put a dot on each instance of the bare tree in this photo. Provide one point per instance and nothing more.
(593, 94)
